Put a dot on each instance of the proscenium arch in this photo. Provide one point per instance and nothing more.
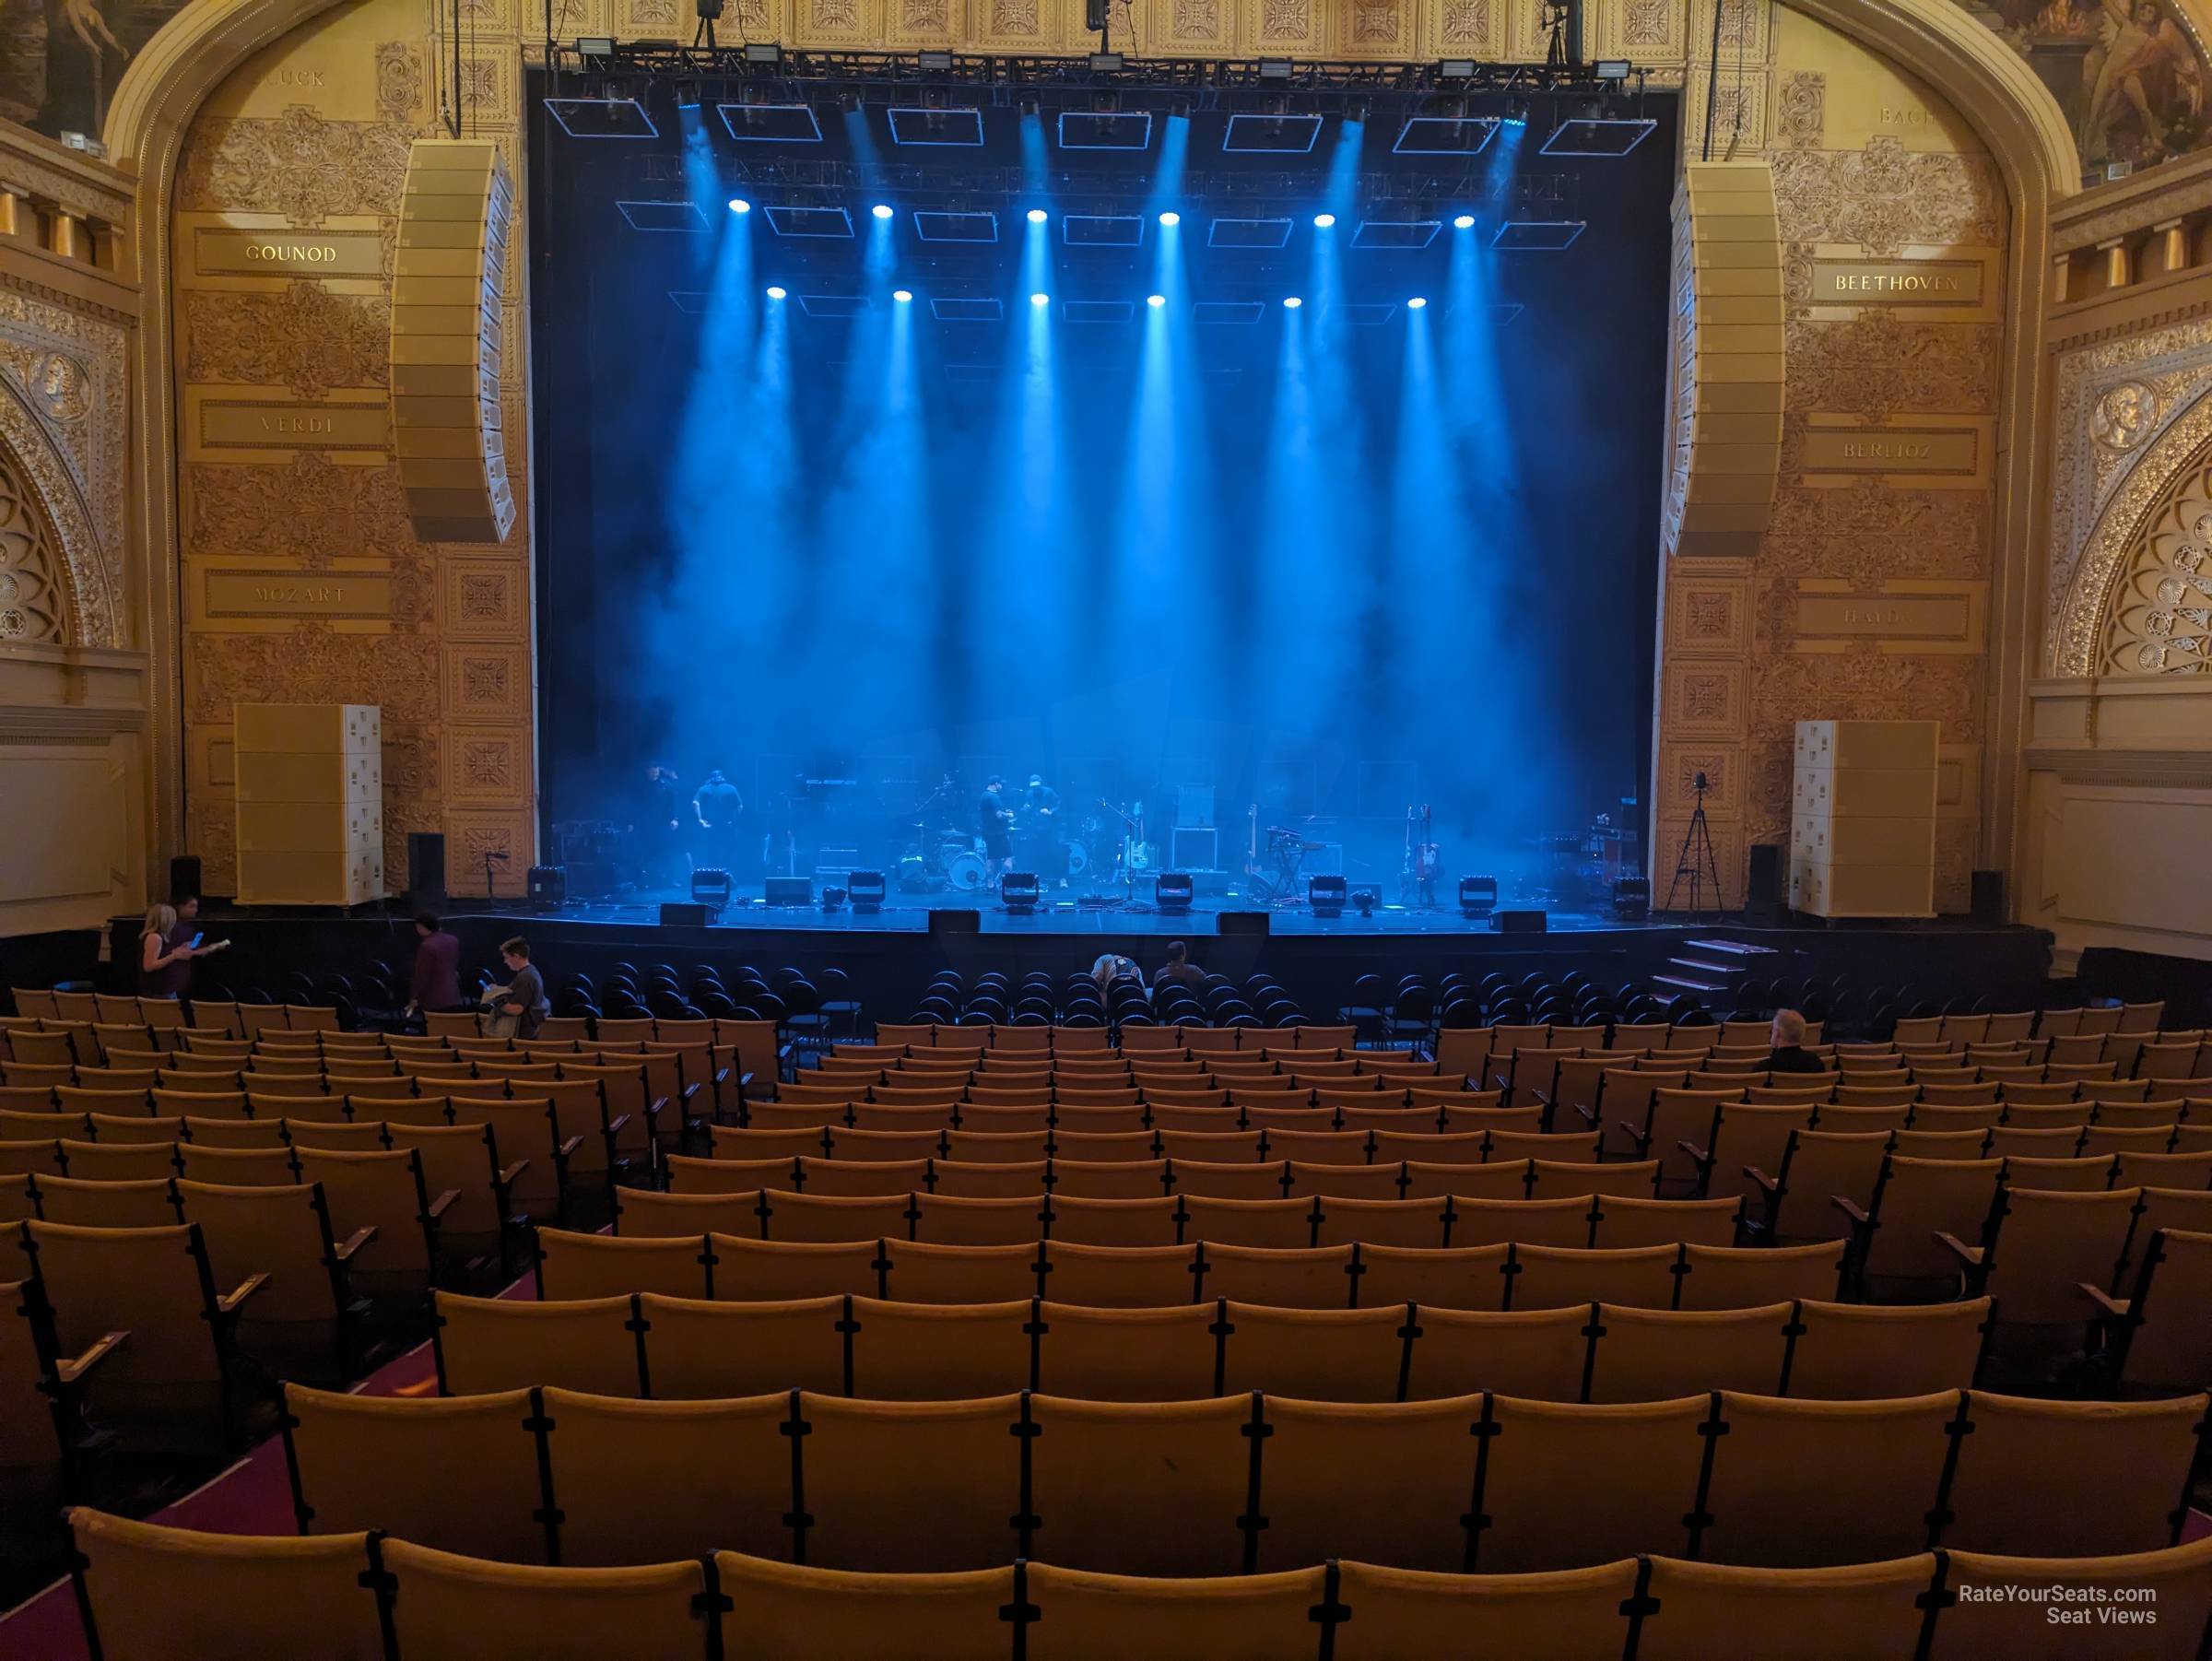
(2182, 445)
(2014, 115)
(79, 574)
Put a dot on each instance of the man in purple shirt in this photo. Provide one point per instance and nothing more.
(437, 983)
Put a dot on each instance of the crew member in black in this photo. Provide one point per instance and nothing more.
(991, 818)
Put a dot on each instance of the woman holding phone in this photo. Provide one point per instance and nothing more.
(164, 961)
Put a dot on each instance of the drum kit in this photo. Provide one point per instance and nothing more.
(943, 854)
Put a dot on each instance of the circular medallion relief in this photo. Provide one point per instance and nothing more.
(62, 385)
(2123, 416)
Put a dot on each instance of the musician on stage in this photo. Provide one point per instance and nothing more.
(1042, 849)
(992, 818)
(716, 808)
(658, 828)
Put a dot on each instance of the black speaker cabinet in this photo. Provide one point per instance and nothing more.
(1522, 923)
(426, 868)
(682, 913)
(956, 923)
(1241, 923)
(791, 890)
(183, 877)
(1762, 886)
(1988, 902)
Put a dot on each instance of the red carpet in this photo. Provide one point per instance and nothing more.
(255, 1496)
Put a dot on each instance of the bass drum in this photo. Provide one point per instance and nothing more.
(965, 870)
(1079, 858)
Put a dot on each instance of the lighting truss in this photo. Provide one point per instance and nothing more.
(937, 225)
(1105, 129)
(1278, 133)
(982, 309)
(929, 125)
(1599, 134)
(806, 221)
(1396, 234)
(1102, 231)
(834, 306)
(1248, 234)
(1445, 134)
(663, 216)
(771, 123)
(1234, 312)
(1098, 310)
(602, 117)
(1537, 236)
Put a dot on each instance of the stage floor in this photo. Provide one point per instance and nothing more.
(1059, 912)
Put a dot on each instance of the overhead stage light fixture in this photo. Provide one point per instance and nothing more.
(1171, 217)
(738, 204)
(903, 295)
(776, 292)
(1323, 221)
(1156, 301)
(1463, 222)
(765, 52)
(937, 62)
(1416, 304)
(1275, 69)
(882, 210)
(1041, 299)
(1291, 302)
(1038, 216)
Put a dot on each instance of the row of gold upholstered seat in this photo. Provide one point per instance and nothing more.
(1478, 1482)
(1473, 1143)
(652, 1344)
(1168, 1219)
(156, 1592)
(1234, 1110)
(1548, 1270)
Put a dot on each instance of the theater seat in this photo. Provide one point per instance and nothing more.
(458, 1609)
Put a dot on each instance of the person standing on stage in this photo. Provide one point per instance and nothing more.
(658, 828)
(991, 818)
(1042, 850)
(717, 807)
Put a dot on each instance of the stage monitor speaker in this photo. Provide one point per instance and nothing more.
(791, 890)
(448, 279)
(548, 885)
(426, 868)
(1762, 887)
(183, 877)
(1522, 923)
(1241, 923)
(682, 913)
(1988, 902)
(956, 923)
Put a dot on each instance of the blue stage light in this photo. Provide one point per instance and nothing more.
(1037, 216)
(1171, 217)
(1291, 302)
(1463, 222)
(1041, 299)
(1323, 221)
(738, 204)
(776, 292)
(1416, 304)
(903, 295)
(1156, 300)
(882, 210)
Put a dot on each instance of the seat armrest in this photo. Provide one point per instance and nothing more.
(2108, 1307)
(1702, 1155)
(615, 1125)
(506, 1178)
(568, 1149)
(229, 1302)
(1767, 1184)
(69, 1372)
(1968, 1257)
(354, 1242)
(439, 1205)
(1642, 1138)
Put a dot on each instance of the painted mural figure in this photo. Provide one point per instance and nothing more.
(60, 60)
(2128, 74)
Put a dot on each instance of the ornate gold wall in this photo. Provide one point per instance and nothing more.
(73, 681)
(301, 578)
(1868, 595)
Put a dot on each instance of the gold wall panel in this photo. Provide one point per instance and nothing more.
(1866, 584)
(305, 580)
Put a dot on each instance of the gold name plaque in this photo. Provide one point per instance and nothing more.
(1940, 450)
(1901, 617)
(231, 594)
(1897, 282)
(255, 424)
(220, 251)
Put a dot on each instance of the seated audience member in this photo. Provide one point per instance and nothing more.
(1178, 968)
(436, 983)
(1111, 967)
(1789, 1055)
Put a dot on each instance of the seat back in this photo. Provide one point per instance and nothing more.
(155, 1284)
(382, 1190)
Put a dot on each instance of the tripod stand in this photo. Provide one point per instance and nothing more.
(1696, 860)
